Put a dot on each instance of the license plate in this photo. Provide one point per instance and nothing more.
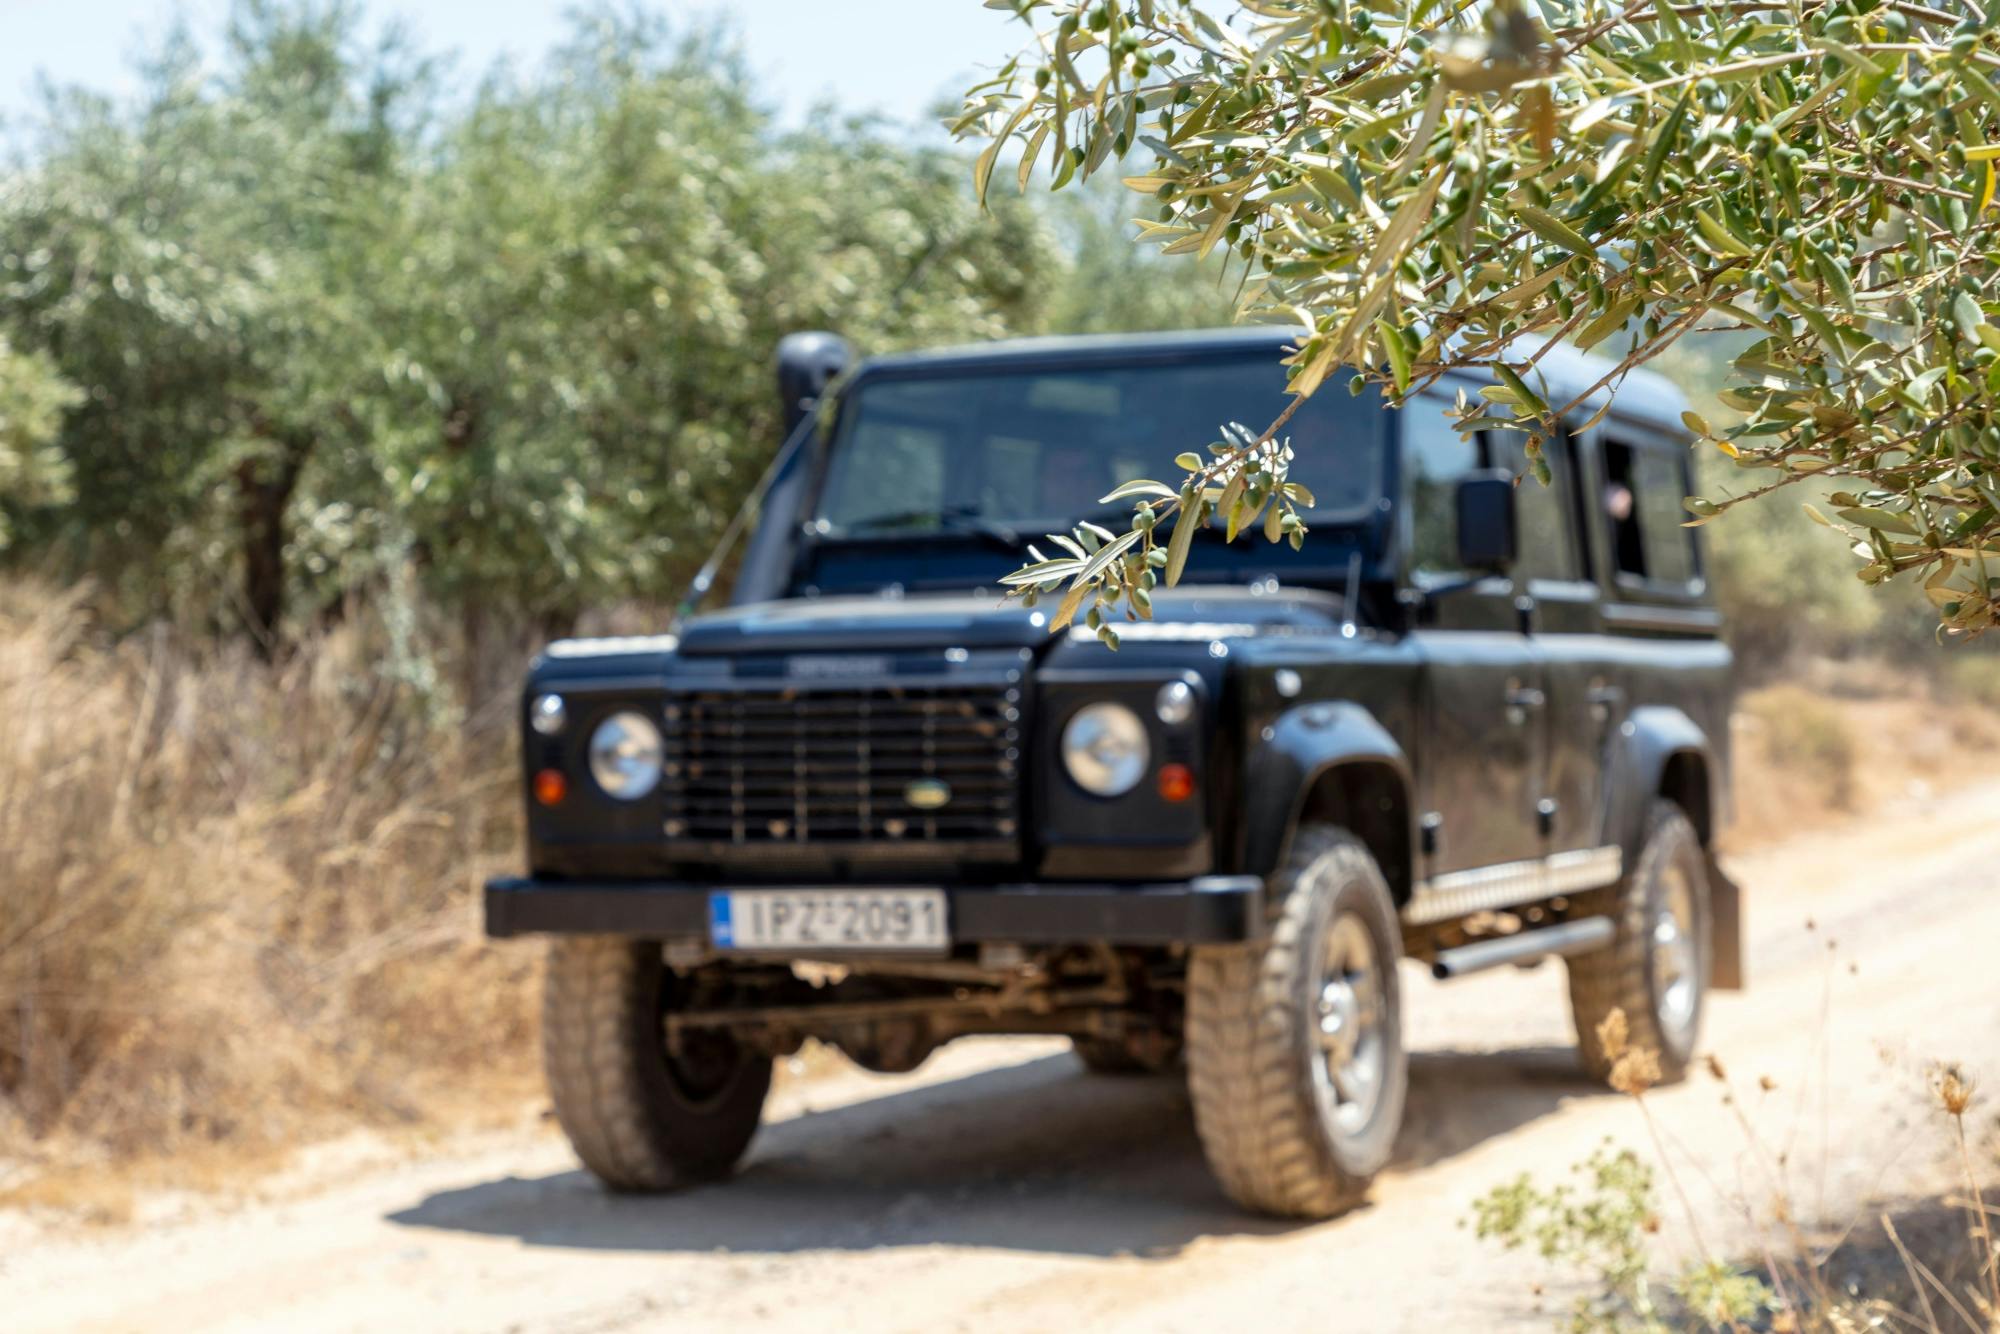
(828, 919)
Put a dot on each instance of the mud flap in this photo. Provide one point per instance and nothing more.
(1725, 938)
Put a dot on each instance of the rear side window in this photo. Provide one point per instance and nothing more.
(1548, 548)
(1434, 458)
(1643, 491)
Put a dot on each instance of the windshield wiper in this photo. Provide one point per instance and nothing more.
(954, 519)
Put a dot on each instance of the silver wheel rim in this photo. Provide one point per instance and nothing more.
(1676, 955)
(1349, 1015)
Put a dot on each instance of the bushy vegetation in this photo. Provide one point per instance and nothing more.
(332, 319)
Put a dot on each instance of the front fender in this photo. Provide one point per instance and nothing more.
(1636, 771)
(1661, 752)
(1285, 770)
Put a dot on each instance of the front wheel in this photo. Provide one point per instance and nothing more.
(642, 1117)
(1656, 967)
(1295, 1052)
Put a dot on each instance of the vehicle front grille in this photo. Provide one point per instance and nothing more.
(875, 768)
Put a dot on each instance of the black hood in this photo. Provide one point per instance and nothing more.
(975, 621)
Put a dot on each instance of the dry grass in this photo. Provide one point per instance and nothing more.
(1929, 1264)
(1807, 737)
(237, 900)
(1842, 740)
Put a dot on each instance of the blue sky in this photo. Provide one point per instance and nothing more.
(889, 56)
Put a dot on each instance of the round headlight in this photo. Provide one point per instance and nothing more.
(1105, 749)
(625, 755)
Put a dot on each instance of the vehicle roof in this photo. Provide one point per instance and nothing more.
(1644, 395)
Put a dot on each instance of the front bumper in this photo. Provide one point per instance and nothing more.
(1204, 911)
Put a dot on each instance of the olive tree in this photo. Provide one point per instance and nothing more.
(336, 332)
(1429, 185)
(33, 471)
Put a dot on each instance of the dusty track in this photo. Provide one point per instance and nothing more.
(1000, 1187)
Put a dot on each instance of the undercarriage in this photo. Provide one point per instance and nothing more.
(889, 1014)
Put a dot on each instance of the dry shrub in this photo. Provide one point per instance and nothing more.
(1807, 737)
(238, 899)
(1972, 672)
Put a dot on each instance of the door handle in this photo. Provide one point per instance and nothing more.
(1603, 699)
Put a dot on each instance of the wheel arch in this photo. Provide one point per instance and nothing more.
(1684, 780)
(1661, 752)
(1331, 763)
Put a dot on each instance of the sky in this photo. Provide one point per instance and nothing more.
(894, 57)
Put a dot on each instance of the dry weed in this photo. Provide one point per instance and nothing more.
(237, 900)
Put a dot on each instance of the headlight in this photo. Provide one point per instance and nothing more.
(625, 755)
(1104, 747)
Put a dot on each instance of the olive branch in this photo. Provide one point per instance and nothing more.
(1422, 188)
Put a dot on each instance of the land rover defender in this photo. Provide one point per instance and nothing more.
(1474, 721)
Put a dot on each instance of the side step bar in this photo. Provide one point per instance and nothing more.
(1577, 937)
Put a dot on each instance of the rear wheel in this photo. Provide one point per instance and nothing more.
(642, 1117)
(1295, 1053)
(1656, 967)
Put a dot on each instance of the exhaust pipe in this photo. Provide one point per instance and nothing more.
(1577, 937)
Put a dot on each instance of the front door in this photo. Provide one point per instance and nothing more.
(1483, 751)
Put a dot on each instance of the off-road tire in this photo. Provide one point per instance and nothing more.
(1252, 1040)
(1620, 976)
(622, 1103)
(1102, 1056)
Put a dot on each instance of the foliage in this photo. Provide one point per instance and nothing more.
(32, 400)
(1604, 1230)
(335, 327)
(1426, 187)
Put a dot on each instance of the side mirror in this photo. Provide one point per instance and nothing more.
(807, 363)
(1486, 535)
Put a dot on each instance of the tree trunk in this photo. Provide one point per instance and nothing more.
(264, 490)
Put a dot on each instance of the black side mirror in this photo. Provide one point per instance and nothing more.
(807, 363)
(1486, 534)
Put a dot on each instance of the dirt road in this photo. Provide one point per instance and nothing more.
(1001, 1188)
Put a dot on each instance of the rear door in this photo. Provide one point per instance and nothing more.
(1553, 575)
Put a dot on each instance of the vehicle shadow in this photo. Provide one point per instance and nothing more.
(1033, 1157)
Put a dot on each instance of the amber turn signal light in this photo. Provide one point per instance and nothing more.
(1176, 782)
(551, 787)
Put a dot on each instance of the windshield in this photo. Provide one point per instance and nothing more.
(1029, 451)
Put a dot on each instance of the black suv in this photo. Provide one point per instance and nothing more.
(1474, 721)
